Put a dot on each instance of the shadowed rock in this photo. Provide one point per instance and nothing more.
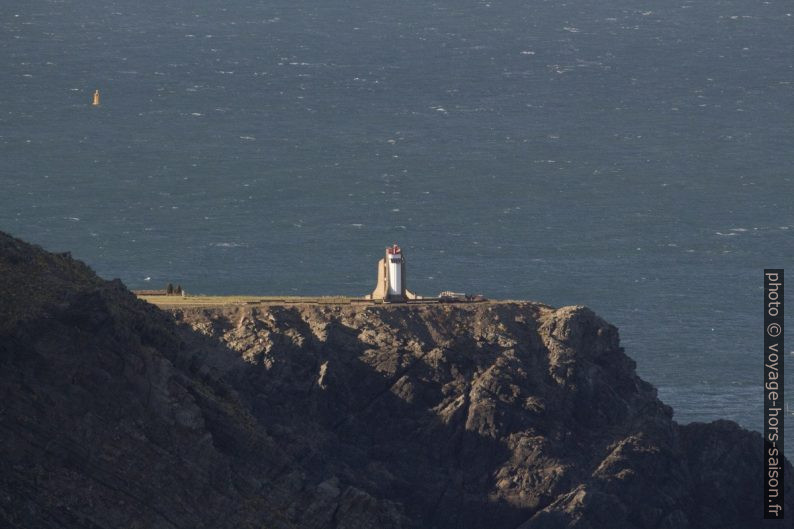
(498, 415)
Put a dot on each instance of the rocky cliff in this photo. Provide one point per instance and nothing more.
(499, 415)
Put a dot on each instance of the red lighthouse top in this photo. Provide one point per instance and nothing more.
(394, 250)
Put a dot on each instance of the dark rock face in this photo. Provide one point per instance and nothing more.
(500, 415)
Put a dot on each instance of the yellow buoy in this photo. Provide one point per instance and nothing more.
(96, 98)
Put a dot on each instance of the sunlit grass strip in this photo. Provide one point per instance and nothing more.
(244, 300)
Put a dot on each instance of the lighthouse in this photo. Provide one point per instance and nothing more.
(391, 278)
(395, 276)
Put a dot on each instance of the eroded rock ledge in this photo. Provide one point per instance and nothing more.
(498, 415)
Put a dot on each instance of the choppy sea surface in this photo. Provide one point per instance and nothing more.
(635, 157)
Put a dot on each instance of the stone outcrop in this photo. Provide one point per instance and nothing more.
(501, 415)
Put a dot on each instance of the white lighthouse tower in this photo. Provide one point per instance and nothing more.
(394, 280)
(391, 278)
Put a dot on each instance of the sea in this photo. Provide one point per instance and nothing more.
(633, 156)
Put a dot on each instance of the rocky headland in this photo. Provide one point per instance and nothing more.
(513, 415)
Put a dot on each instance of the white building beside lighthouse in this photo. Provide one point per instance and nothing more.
(391, 278)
